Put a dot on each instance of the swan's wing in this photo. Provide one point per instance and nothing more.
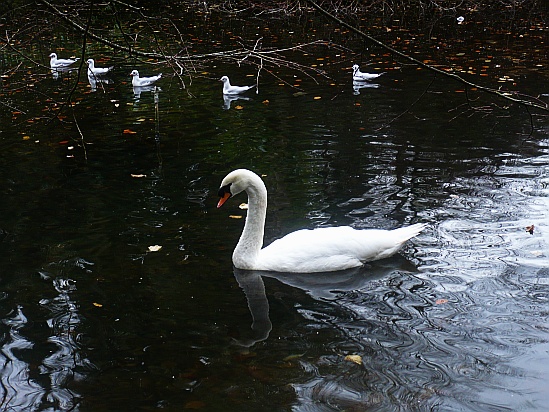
(335, 248)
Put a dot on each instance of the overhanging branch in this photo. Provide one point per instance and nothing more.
(503, 94)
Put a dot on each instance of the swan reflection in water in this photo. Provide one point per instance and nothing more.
(229, 98)
(363, 85)
(325, 286)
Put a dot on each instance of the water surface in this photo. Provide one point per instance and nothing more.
(93, 320)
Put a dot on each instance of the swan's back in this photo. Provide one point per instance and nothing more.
(334, 248)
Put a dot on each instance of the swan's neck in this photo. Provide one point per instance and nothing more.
(251, 241)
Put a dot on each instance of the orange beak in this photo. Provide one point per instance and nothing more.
(223, 199)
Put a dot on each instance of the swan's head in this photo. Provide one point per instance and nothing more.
(53, 56)
(224, 79)
(134, 73)
(355, 68)
(90, 62)
(238, 181)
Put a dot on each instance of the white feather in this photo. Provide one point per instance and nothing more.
(56, 63)
(143, 81)
(359, 76)
(229, 89)
(97, 71)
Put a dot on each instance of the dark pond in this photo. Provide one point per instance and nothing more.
(94, 320)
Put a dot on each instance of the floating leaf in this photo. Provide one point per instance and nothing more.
(195, 405)
(243, 206)
(265, 102)
(26, 137)
(354, 358)
(441, 301)
(140, 175)
(317, 98)
(239, 107)
(530, 229)
(155, 248)
(235, 216)
(97, 305)
(128, 131)
(293, 357)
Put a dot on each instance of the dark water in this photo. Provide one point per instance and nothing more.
(92, 320)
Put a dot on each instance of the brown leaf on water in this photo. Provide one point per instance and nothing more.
(97, 305)
(235, 216)
(194, 405)
(128, 131)
(293, 357)
(239, 107)
(441, 301)
(140, 175)
(354, 358)
(530, 229)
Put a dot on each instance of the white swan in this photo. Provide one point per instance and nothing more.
(358, 76)
(56, 63)
(97, 71)
(304, 251)
(228, 89)
(143, 81)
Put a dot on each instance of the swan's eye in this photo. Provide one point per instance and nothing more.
(225, 190)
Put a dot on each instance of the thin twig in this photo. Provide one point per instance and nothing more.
(497, 92)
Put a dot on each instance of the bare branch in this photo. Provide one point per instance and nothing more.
(502, 94)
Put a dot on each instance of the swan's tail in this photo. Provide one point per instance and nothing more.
(408, 232)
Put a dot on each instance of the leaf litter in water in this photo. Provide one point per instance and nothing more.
(154, 248)
(354, 358)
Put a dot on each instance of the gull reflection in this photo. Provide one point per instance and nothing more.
(58, 72)
(97, 80)
(363, 85)
(137, 90)
(325, 286)
(229, 98)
